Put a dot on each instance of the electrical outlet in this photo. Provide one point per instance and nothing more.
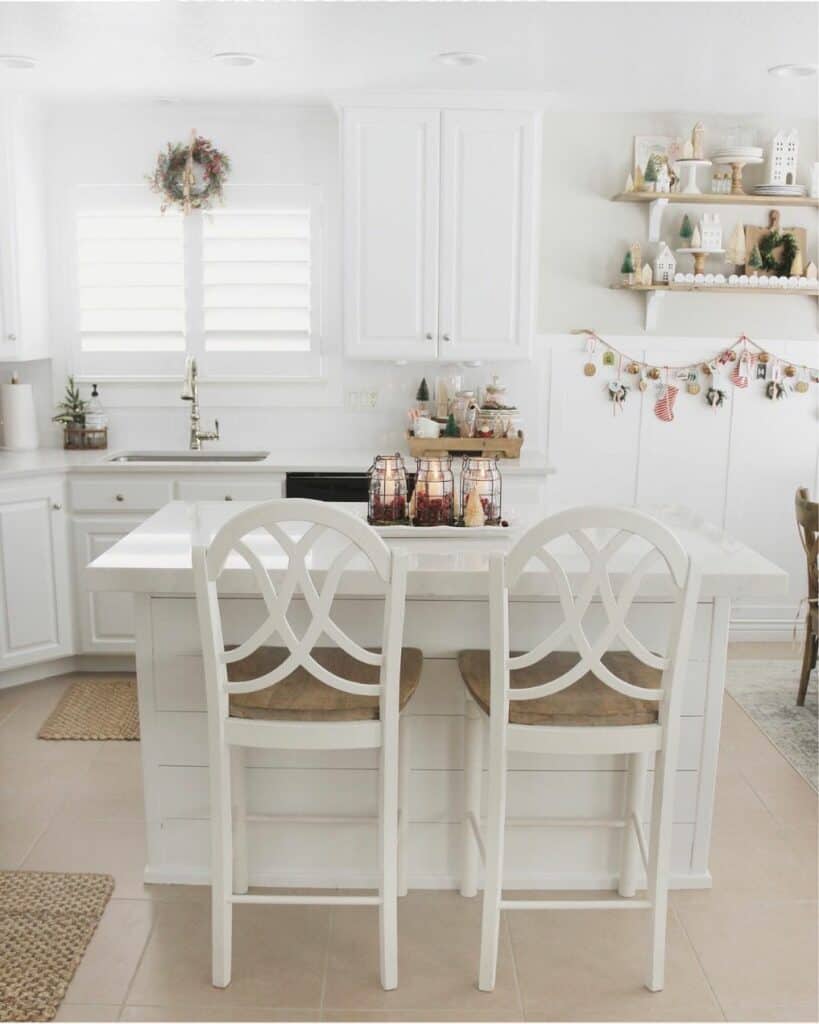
(360, 401)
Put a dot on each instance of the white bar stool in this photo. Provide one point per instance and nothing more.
(586, 701)
(300, 696)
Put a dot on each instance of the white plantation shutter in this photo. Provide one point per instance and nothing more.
(237, 287)
(256, 274)
(131, 281)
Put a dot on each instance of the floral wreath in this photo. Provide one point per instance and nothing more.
(174, 179)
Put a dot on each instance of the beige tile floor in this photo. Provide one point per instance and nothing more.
(745, 950)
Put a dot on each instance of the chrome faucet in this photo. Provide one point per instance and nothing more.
(190, 394)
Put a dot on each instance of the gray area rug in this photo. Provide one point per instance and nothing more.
(766, 690)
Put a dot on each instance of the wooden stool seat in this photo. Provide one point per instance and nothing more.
(587, 702)
(303, 698)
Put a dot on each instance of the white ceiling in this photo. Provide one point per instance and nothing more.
(704, 57)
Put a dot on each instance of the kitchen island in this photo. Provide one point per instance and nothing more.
(446, 612)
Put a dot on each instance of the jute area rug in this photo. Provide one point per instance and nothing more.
(46, 923)
(766, 691)
(101, 708)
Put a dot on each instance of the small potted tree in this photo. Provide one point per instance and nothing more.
(627, 269)
(71, 414)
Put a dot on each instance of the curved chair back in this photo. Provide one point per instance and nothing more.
(343, 538)
(614, 587)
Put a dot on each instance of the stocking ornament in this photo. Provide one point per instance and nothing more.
(664, 406)
(740, 372)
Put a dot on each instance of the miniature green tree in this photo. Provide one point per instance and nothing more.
(627, 266)
(72, 408)
(650, 174)
(755, 259)
(686, 231)
(451, 428)
(422, 394)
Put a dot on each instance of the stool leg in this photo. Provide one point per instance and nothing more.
(388, 855)
(239, 800)
(221, 869)
(493, 885)
(472, 798)
(807, 662)
(635, 799)
(403, 801)
(659, 864)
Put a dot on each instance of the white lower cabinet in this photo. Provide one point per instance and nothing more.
(106, 621)
(35, 592)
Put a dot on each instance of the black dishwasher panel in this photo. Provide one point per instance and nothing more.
(331, 486)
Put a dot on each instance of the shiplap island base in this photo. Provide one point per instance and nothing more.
(446, 612)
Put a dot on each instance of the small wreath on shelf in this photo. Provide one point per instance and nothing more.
(771, 241)
(175, 179)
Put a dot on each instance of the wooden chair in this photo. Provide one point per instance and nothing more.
(300, 696)
(807, 521)
(592, 701)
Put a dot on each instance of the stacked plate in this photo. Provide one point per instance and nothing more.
(780, 190)
(739, 153)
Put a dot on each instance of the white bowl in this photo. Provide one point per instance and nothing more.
(719, 278)
(803, 282)
(743, 279)
(689, 278)
(753, 282)
(733, 279)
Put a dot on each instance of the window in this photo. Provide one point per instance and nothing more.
(238, 287)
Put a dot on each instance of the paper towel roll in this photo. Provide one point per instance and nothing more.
(18, 417)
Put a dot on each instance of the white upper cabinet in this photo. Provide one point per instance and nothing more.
(487, 294)
(440, 226)
(23, 277)
(391, 173)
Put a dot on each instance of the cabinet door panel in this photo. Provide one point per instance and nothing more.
(36, 621)
(488, 213)
(391, 233)
(106, 619)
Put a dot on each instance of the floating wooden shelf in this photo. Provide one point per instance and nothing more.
(657, 202)
(745, 289)
(654, 294)
(716, 199)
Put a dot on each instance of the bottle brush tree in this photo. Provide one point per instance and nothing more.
(627, 266)
(73, 407)
(650, 174)
(755, 259)
(686, 231)
(422, 394)
(451, 428)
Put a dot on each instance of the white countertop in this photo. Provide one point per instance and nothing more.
(156, 558)
(283, 460)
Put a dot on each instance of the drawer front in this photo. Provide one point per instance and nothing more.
(234, 488)
(114, 493)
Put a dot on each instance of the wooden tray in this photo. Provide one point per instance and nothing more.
(505, 447)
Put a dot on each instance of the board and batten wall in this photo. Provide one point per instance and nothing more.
(737, 467)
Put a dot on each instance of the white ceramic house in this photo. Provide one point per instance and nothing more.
(665, 265)
(710, 231)
(784, 156)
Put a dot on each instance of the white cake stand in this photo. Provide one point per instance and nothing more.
(737, 162)
(690, 167)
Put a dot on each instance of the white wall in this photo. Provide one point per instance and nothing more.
(737, 467)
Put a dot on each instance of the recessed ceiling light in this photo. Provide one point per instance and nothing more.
(460, 58)
(17, 61)
(236, 60)
(793, 70)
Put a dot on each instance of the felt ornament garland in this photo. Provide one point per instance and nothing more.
(737, 365)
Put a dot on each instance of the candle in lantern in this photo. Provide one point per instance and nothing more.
(387, 491)
(434, 491)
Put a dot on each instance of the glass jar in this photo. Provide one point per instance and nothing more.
(387, 491)
(433, 500)
(482, 474)
(465, 411)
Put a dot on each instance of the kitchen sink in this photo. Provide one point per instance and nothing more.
(189, 456)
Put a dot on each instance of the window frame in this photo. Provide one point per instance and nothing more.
(214, 366)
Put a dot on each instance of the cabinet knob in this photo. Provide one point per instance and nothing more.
(429, 336)
(56, 506)
(119, 497)
(12, 337)
(446, 337)
(228, 497)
